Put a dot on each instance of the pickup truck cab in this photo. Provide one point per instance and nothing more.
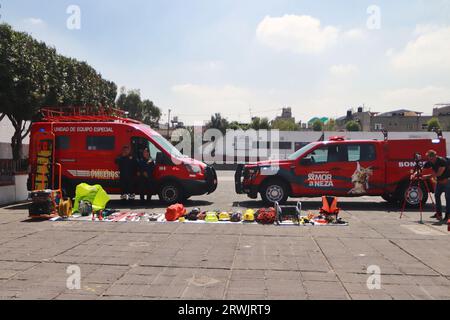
(339, 167)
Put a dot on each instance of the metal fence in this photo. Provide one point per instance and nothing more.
(9, 168)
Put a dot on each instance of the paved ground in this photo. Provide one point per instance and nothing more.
(191, 261)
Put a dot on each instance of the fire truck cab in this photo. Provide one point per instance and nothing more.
(340, 167)
(84, 145)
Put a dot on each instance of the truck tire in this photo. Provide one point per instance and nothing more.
(171, 193)
(274, 190)
(411, 195)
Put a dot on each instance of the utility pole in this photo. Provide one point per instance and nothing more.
(168, 125)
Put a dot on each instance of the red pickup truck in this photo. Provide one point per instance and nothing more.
(340, 167)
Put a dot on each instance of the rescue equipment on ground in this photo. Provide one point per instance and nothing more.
(329, 205)
(85, 208)
(224, 216)
(95, 195)
(65, 208)
(211, 217)
(193, 215)
(43, 204)
(174, 212)
(249, 215)
(201, 216)
(290, 214)
(236, 216)
(266, 216)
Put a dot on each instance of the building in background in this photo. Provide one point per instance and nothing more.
(286, 114)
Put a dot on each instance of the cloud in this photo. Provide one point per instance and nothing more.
(343, 70)
(422, 98)
(429, 50)
(299, 34)
(355, 34)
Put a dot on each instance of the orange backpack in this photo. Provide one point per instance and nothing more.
(329, 206)
(174, 212)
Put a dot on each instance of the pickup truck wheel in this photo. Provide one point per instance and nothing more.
(171, 193)
(413, 195)
(274, 191)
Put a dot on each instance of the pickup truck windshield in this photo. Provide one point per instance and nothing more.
(301, 151)
(174, 152)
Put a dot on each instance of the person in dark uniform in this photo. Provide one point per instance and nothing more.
(146, 166)
(128, 169)
(441, 173)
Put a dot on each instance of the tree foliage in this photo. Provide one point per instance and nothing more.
(217, 122)
(285, 125)
(353, 126)
(330, 125)
(138, 109)
(433, 124)
(317, 125)
(33, 75)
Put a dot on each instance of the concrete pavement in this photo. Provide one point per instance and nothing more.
(207, 261)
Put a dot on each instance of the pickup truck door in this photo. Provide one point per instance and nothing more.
(363, 170)
(316, 173)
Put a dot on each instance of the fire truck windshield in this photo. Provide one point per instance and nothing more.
(166, 145)
(302, 151)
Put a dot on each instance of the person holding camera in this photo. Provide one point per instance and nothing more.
(441, 173)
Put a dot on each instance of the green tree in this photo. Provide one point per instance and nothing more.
(151, 114)
(260, 123)
(32, 75)
(433, 124)
(144, 111)
(353, 126)
(217, 122)
(285, 125)
(317, 125)
(330, 125)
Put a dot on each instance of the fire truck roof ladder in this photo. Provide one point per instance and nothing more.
(85, 114)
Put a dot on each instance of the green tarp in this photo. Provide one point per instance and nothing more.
(96, 195)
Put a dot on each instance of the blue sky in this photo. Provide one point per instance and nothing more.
(249, 57)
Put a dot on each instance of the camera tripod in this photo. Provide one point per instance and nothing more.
(416, 181)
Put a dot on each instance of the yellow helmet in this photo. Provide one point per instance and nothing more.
(211, 217)
(249, 215)
(224, 216)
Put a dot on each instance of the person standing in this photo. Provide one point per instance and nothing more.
(441, 173)
(145, 174)
(128, 169)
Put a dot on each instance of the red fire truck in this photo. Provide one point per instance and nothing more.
(83, 144)
(344, 168)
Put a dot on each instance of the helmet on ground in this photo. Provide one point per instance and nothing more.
(236, 217)
(201, 216)
(249, 215)
(224, 216)
(211, 217)
(193, 215)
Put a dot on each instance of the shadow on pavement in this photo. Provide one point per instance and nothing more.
(354, 205)
(154, 204)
